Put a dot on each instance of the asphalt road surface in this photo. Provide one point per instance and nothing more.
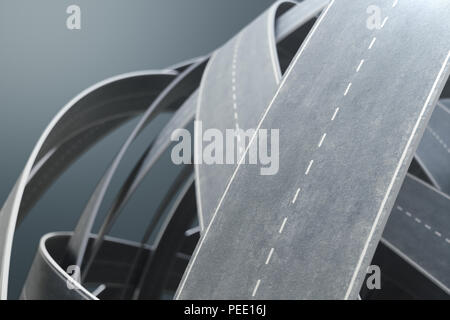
(351, 113)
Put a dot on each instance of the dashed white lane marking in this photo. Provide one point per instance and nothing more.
(322, 140)
(296, 195)
(372, 42)
(443, 107)
(256, 287)
(384, 22)
(269, 256)
(395, 3)
(219, 205)
(348, 89)
(282, 225)
(309, 167)
(394, 177)
(233, 80)
(360, 65)
(427, 226)
(439, 139)
(335, 114)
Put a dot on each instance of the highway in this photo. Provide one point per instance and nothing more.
(350, 119)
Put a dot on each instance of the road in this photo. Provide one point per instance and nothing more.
(350, 120)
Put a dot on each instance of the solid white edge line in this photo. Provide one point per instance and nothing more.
(391, 184)
(415, 265)
(272, 47)
(19, 186)
(289, 70)
(196, 142)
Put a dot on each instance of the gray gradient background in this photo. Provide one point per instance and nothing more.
(43, 65)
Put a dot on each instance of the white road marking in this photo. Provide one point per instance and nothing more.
(309, 167)
(394, 177)
(439, 139)
(99, 290)
(269, 256)
(395, 3)
(256, 287)
(444, 108)
(219, 205)
(296, 195)
(384, 22)
(233, 80)
(273, 49)
(282, 225)
(348, 89)
(360, 65)
(321, 140)
(335, 114)
(372, 43)
(198, 139)
(399, 208)
(427, 226)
